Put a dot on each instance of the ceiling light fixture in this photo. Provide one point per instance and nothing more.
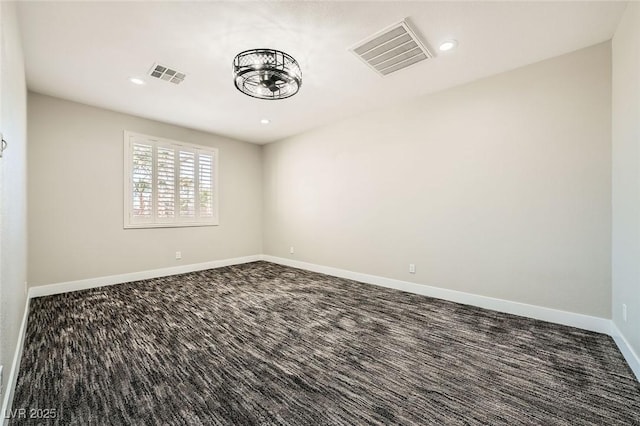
(448, 45)
(265, 121)
(137, 81)
(266, 74)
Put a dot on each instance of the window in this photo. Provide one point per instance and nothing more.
(169, 183)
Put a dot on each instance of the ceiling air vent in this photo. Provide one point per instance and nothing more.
(166, 74)
(392, 49)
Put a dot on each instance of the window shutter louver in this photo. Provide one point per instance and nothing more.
(205, 180)
(187, 184)
(166, 183)
(142, 181)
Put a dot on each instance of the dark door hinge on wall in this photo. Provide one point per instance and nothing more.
(3, 146)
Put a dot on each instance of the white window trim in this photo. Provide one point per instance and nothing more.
(128, 183)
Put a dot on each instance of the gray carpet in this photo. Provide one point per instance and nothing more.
(265, 344)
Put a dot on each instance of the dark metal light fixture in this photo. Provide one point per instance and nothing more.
(266, 74)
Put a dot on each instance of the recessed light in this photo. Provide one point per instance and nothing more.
(448, 45)
(136, 80)
(265, 121)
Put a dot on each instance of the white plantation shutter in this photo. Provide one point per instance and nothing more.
(142, 179)
(169, 183)
(205, 181)
(187, 184)
(166, 183)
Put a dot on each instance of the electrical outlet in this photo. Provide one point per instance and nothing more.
(412, 268)
(291, 250)
(178, 255)
(624, 312)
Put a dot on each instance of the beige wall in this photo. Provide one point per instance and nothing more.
(76, 230)
(501, 188)
(13, 184)
(626, 174)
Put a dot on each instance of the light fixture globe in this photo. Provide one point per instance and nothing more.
(266, 74)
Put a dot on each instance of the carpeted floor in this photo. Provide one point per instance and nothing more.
(266, 344)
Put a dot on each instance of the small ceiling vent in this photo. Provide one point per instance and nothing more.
(392, 49)
(166, 74)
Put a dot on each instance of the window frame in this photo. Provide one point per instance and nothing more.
(176, 222)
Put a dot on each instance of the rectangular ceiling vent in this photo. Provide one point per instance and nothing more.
(166, 74)
(392, 49)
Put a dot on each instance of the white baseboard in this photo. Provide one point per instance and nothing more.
(586, 322)
(597, 324)
(64, 287)
(627, 351)
(15, 366)
(572, 319)
(600, 325)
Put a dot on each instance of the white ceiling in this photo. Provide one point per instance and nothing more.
(86, 52)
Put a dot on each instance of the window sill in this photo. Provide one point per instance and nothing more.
(169, 225)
